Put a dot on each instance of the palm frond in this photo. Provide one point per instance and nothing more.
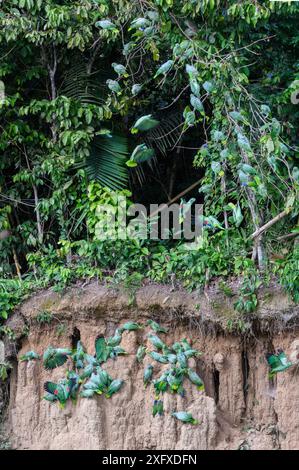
(106, 162)
(166, 135)
(89, 88)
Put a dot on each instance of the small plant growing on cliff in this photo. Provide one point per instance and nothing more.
(4, 370)
(44, 318)
(247, 302)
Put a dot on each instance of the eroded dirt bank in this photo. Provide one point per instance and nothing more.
(240, 408)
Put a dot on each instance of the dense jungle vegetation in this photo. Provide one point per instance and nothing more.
(219, 80)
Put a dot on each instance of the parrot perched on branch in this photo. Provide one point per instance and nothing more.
(114, 86)
(119, 69)
(164, 68)
(106, 24)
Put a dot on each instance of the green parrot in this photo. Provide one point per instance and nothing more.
(185, 417)
(149, 31)
(153, 15)
(156, 341)
(116, 339)
(130, 326)
(244, 178)
(141, 154)
(136, 89)
(74, 382)
(119, 69)
(195, 87)
(164, 68)
(177, 347)
(211, 223)
(106, 24)
(102, 350)
(161, 384)
(78, 356)
(189, 116)
(147, 375)
(243, 142)
(158, 408)
(99, 383)
(140, 23)
(191, 353)
(113, 85)
(182, 360)
(172, 358)
(191, 71)
(29, 356)
(158, 357)
(196, 103)
(156, 327)
(128, 47)
(144, 123)
(175, 381)
(86, 373)
(185, 344)
(117, 351)
(208, 87)
(195, 379)
(114, 387)
(88, 393)
(278, 362)
(60, 392)
(53, 358)
(90, 360)
(141, 351)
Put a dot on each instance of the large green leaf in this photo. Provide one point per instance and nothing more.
(106, 162)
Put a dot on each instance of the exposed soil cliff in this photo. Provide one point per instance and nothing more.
(240, 408)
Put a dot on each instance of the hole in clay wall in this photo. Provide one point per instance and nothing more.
(216, 379)
(76, 336)
(245, 373)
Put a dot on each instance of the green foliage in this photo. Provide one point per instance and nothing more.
(44, 318)
(288, 272)
(247, 302)
(4, 371)
(89, 84)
